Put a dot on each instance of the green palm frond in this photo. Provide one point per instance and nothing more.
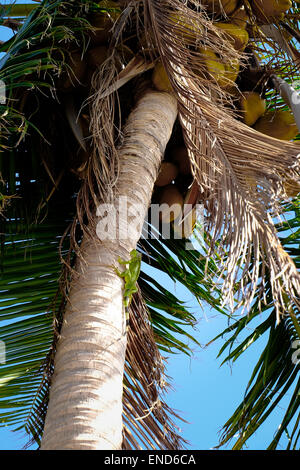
(185, 267)
(275, 43)
(30, 301)
(49, 29)
(29, 285)
(16, 10)
(32, 170)
(276, 374)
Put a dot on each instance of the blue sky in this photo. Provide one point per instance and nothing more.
(205, 394)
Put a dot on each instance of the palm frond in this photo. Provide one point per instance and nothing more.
(187, 268)
(276, 373)
(37, 334)
(22, 70)
(290, 96)
(29, 285)
(223, 153)
(149, 421)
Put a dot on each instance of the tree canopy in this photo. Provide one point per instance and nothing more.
(73, 70)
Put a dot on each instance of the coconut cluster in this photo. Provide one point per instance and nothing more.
(81, 66)
(275, 123)
(266, 11)
(173, 189)
(233, 20)
(174, 184)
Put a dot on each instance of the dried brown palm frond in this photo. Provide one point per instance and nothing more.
(273, 41)
(289, 95)
(106, 118)
(101, 168)
(278, 38)
(241, 173)
(291, 29)
(11, 23)
(226, 155)
(147, 418)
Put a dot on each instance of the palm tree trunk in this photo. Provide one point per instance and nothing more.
(85, 405)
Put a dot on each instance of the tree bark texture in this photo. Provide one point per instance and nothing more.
(85, 403)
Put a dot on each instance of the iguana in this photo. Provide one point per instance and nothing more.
(130, 276)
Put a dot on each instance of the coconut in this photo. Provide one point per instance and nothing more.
(180, 157)
(240, 17)
(221, 6)
(76, 68)
(252, 107)
(167, 173)
(223, 74)
(171, 202)
(184, 229)
(97, 55)
(236, 35)
(279, 124)
(189, 32)
(266, 11)
(231, 73)
(214, 68)
(80, 163)
(160, 78)
(102, 24)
